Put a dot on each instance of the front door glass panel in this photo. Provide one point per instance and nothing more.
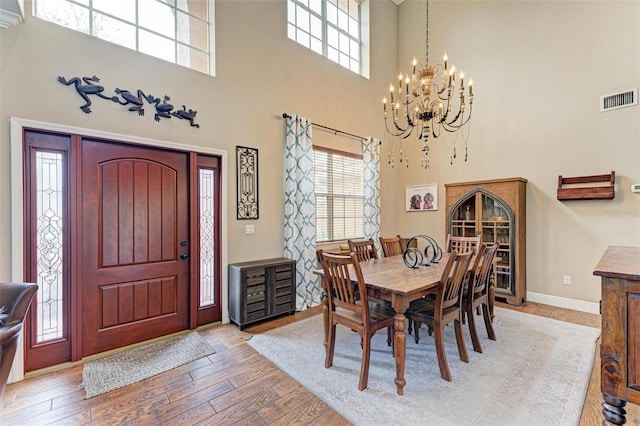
(49, 246)
(207, 237)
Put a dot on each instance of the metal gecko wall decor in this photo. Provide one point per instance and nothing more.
(163, 109)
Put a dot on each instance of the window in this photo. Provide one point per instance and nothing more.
(174, 30)
(339, 195)
(332, 28)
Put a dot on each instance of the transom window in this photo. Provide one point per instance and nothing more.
(339, 195)
(174, 30)
(331, 28)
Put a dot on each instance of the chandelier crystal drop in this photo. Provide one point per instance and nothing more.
(428, 100)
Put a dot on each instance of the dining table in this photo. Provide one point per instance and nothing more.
(390, 279)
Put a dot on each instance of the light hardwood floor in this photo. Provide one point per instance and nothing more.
(235, 385)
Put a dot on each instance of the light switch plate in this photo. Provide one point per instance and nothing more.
(249, 229)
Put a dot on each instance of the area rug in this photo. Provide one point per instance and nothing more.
(536, 373)
(124, 368)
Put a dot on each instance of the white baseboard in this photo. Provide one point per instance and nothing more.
(563, 302)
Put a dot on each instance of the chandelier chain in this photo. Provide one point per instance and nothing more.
(426, 100)
(426, 37)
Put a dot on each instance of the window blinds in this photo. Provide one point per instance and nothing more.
(339, 195)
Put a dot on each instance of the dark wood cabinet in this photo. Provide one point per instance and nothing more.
(495, 209)
(619, 268)
(261, 289)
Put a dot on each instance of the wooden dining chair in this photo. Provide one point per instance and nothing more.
(364, 250)
(404, 243)
(350, 307)
(446, 307)
(391, 246)
(462, 244)
(477, 293)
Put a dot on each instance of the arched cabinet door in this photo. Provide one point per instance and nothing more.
(496, 210)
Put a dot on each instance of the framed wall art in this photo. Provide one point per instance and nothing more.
(421, 197)
(247, 182)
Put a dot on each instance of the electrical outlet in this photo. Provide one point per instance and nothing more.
(566, 280)
(249, 229)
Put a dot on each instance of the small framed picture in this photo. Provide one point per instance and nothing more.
(422, 197)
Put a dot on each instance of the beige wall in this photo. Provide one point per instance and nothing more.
(260, 74)
(538, 67)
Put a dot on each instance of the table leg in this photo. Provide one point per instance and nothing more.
(400, 305)
(400, 347)
(613, 410)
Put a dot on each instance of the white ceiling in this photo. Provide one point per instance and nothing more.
(11, 12)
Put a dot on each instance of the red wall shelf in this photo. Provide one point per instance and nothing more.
(604, 192)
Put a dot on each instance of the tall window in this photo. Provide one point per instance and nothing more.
(331, 28)
(339, 195)
(174, 30)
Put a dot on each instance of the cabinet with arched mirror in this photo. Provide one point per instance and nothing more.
(495, 209)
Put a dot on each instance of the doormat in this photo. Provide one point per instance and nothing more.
(122, 369)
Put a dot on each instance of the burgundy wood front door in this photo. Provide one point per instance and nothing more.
(135, 242)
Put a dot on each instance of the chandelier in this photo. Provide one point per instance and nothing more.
(429, 100)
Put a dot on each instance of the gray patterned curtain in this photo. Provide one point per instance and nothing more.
(299, 211)
(371, 158)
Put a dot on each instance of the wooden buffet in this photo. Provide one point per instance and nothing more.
(619, 268)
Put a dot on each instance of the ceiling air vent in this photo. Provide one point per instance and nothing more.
(619, 100)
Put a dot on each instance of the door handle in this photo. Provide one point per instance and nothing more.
(183, 243)
(184, 256)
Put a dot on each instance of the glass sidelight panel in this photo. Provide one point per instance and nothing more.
(49, 245)
(207, 237)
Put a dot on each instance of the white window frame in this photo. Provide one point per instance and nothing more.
(298, 32)
(332, 195)
(88, 6)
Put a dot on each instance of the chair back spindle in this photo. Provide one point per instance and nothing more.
(483, 271)
(462, 244)
(364, 250)
(452, 287)
(391, 246)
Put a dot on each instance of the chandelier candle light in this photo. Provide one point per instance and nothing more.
(425, 102)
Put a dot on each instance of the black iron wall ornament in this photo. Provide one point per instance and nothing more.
(247, 182)
(163, 109)
(415, 258)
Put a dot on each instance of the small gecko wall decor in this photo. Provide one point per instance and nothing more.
(87, 86)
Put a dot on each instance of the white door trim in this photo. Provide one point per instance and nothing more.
(17, 126)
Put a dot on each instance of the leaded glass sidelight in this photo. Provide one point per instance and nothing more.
(207, 237)
(49, 245)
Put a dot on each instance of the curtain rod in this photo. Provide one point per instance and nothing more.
(285, 115)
